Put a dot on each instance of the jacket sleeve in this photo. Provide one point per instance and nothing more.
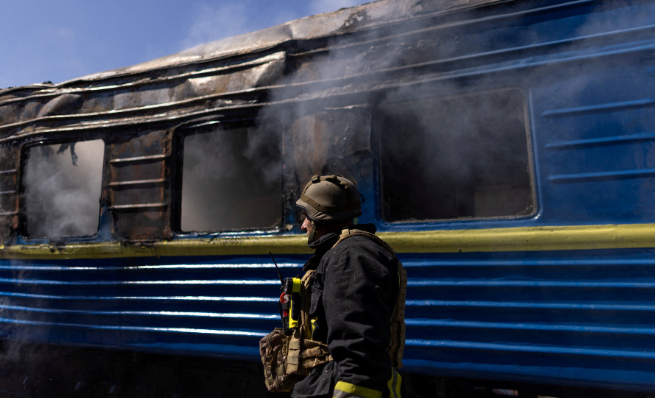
(358, 301)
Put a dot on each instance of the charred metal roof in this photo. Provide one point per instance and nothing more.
(225, 74)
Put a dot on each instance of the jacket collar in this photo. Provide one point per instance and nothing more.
(325, 243)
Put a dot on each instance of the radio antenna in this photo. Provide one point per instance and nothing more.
(278, 269)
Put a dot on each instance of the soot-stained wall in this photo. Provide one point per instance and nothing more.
(139, 185)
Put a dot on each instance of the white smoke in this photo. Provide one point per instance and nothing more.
(218, 21)
(474, 182)
(231, 179)
(62, 189)
(321, 6)
(211, 22)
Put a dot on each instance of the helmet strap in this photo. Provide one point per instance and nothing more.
(312, 234)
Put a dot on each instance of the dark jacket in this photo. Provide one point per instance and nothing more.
(354, 292)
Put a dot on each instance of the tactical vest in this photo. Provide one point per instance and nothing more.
(297, 355)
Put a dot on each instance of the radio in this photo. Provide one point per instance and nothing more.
(290, 303)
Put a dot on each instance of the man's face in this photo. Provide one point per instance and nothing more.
(307, 225)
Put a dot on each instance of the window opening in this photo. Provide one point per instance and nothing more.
(457, 157)
(62, 188)
(231, 178)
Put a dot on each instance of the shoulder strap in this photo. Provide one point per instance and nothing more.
(347, 233)
(305, 353)
(397, 341)
(306, 298)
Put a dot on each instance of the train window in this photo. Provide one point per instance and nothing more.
(62, 188)
(457, 157)
(231, 178)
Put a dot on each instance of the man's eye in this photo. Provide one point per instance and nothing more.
(302, 218)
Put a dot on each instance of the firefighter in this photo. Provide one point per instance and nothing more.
(357, 297)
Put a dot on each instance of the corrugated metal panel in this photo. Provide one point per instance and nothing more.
(584, 317)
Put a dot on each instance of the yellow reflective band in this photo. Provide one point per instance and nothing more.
(347, 390)
(394, 384)
(581, 237)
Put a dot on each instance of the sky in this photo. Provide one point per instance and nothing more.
(58, 40)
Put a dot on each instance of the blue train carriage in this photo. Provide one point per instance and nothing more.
(504, 149)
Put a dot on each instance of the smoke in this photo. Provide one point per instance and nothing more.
(441, 157)
(448, 148)
(211, 22)
(321, 6)
(62, 188)
(219, 21)
(328, 137)
(468, 153)
(264, 151)
(231, 178)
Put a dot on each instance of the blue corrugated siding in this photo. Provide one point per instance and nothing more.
(586, 70)
(577, 317)
(573, 317)
(584, 317)
(185, 304)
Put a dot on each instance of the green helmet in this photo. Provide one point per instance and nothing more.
(332, 198)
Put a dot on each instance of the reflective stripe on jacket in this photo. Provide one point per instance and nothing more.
(347, 390)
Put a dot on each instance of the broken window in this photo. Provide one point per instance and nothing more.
(62, 188)
(457, 157)
(231, 178)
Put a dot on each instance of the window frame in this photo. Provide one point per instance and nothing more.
(22, 233)
(377, 120)
(177, 168)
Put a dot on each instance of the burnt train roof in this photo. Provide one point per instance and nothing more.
(138, 93)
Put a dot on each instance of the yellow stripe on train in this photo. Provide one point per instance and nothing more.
(444, 241)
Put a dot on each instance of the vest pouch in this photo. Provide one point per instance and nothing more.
(274, 350)
(294, 365)
(305, 354)
(314, 353)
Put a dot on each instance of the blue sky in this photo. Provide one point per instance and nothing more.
(58, 40)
